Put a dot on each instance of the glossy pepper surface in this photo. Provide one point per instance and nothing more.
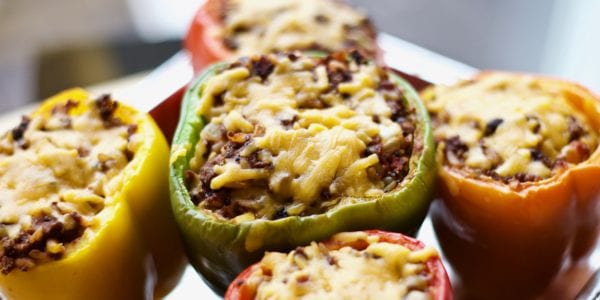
(438, 284)
(135, 251)
(510, 243)
(202, 41)
(220, 249)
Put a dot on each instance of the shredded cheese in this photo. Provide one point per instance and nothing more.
(294, 133)
(59, 169)
(381, 271)
(503, 119)
(271, 25)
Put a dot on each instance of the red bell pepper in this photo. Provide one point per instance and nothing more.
(439, 283)
(205, 47)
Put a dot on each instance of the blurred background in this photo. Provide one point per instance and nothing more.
(49, 45)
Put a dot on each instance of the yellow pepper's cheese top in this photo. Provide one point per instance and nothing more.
(57, 173)
(375, 270)
(252, 27)
(510, 127)
(291, 135)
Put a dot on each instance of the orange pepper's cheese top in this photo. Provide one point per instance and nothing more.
(380, 270)
(509, 126)
(297, 141)
(252, 27)
(57, 172)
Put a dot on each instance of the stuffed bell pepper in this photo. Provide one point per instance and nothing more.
(84, 210)
(226, 28)
(519, 195)
(350, 265)
(275, 151)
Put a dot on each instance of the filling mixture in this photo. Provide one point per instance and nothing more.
(54, 176)
(265, 26)
(292, 135)
(510, 128)
(360, 267)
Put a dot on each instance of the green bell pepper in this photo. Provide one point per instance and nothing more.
(220, 249)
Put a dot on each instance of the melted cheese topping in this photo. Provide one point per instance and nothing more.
(510, 125)
(279, 25)
(309, 151)
(62, 167)
(380, 271)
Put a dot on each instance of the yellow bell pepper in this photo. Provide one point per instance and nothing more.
(133, 251)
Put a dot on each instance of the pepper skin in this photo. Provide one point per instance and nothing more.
(439, 283)
(202, 46)
(135, 251)
(220, 250)
(510, 244)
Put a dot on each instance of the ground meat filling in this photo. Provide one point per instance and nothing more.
(252, 27)
(55, 174)
(353, 266)
(291, 135)
(512, 129)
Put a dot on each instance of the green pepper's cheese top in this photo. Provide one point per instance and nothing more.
(292, 135)
(252, 27)
(509, 127)
(375, 270)
(57, 173)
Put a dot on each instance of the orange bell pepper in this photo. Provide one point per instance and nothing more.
(508, 242)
